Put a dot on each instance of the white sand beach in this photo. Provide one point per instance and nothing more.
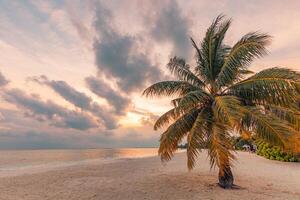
(147, 178)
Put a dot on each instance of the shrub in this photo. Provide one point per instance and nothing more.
(274, 152)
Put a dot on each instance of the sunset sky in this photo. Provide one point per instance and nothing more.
(72, 72)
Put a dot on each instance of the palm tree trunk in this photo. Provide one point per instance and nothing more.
(225, 177)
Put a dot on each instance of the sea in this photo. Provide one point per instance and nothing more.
(19, 162)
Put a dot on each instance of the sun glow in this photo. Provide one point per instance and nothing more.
(131, 119)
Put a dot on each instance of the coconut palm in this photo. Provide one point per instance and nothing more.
(219, 97)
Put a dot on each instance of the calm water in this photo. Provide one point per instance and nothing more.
(24, 161)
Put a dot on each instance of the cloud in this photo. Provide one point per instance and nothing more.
(118, 56)
(79, 99)
(50, 112)
(148, 119)
(3, 80)
(70, 94)
(11, 139)
(59, 139)
(19, 132)
(170, 25)
(119, 102)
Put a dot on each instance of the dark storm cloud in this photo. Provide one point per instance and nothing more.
(49, 111)
(114, 98)
(118, 57)
(79, 99)
(3, 80)
(171, 26)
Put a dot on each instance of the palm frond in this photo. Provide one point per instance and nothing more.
(175, 102)
(198, 51)
(191, 101)
(251, 46)
(182, 70)
(227, 109)
(212, 53)
(170, 139)
(290, 114)
(200, 68)
(167, 117)
(196, 138)
(221, 32)
(220, 50)
(268, 127)
(277, 86)
(172, 115)
(294, 144)
(220, 148)
(195, 99)
(168, 88)
(208, 46)
(245, 72)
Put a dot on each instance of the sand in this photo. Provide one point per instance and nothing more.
(147, 178)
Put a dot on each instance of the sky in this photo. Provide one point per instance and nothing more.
(72, 72)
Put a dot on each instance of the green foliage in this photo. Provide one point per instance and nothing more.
(275, 153)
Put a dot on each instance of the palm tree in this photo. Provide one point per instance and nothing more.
(220, 96)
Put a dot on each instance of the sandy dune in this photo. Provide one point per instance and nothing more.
(147, 178)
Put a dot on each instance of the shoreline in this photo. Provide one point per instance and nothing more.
(21, 168)
(147, 178)
(45, 167)
(33, 161)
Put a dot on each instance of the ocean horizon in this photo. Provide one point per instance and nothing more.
(17, 162)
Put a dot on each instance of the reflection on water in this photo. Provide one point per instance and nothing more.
(12, 160)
